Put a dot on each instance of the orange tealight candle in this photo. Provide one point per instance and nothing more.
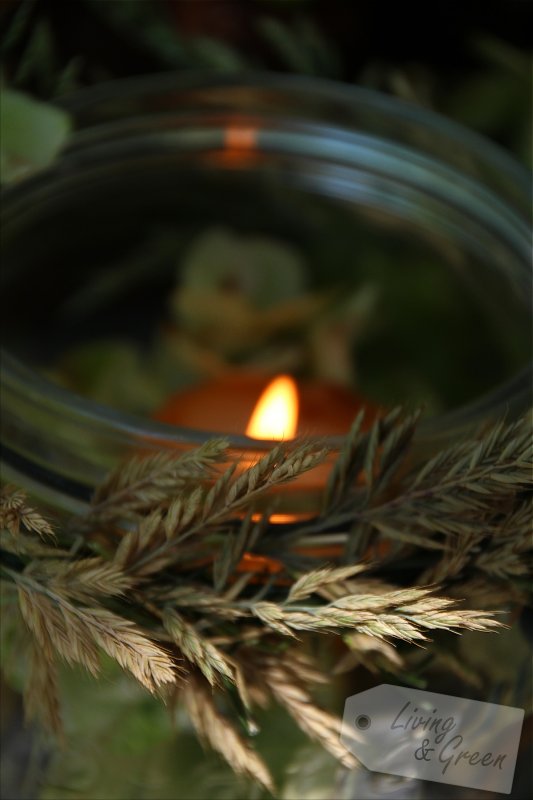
(264, 408)
(270, 409)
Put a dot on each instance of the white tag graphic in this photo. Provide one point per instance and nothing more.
(433, 737)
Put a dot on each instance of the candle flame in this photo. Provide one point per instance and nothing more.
(276, 413)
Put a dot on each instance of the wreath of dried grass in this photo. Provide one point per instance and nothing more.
(168, 572)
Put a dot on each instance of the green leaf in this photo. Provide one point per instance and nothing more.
(216, 54)
(31, 134)
(265, 270)
(286, 43)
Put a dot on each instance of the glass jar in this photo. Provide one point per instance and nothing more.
(335, 171)
(329, 168)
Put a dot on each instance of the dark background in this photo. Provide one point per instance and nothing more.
(469, 60)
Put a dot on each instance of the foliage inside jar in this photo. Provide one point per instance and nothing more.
(234, 304)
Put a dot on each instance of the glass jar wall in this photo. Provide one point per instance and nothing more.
(368, 189)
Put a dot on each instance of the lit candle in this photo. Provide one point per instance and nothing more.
(264, 409)
(270, 410)
(267, 410)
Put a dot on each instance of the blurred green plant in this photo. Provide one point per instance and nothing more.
(31, 134)
(148, 24)
(496, 98)
(29, 55)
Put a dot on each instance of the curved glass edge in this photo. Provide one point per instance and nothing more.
(348, 151)
(513, 397)
(316, 89)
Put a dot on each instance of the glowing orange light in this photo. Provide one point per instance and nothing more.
(276, 413)
(240, 138)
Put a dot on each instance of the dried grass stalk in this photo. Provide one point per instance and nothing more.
(313, 582)
(85, 578)
(142, 482)
(403, 614)
(208, 658)
(465, 516)
(76, 633)
(16, 514)
(290, 692)
(41, 694)
(215, 729)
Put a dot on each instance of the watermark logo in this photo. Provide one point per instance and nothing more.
(433, 737)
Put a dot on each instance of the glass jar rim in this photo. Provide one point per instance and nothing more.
(20, 378)
(321, 88)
